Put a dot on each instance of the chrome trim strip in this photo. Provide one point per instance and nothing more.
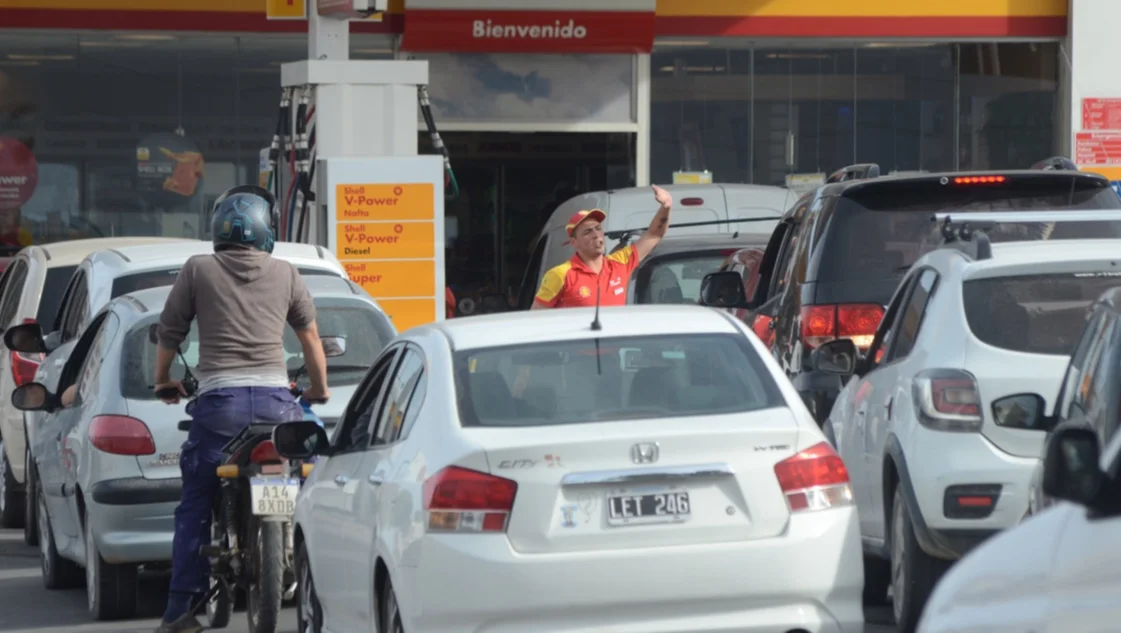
(639, 475)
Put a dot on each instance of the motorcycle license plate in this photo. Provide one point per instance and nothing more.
(273, 496)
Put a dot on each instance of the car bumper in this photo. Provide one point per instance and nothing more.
(940, 462)
(810, 578)
(133, 519)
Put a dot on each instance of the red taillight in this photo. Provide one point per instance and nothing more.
(947, 400)
(121, 435)
(462, 500)
(692, 202)
(24, 366)
(856, 321)
(979, 180)
(265, 453)
(815, 479)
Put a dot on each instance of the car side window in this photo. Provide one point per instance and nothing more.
(911, 319)
(1078, 362)
(1086, 398)
(1100, 400)
(892, 317)
(398, 390)
(75, 363)
(415, 404)
(785, 259)
(64, 305)
(76, 314)
(98, 350)
(352, 432)
(13, 292)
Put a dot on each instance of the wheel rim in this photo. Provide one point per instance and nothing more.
(3, 479)
(44, 532)
(308, 608)
(898, 565)
(92, 579)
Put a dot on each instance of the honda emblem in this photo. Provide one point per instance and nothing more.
(644, 453)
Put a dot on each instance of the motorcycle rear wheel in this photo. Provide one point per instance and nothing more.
(266, 584)
(220, 607)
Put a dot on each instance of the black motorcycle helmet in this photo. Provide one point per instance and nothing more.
(245, 216)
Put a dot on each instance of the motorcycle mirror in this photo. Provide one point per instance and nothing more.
(333, 346)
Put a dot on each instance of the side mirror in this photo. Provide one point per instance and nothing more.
(26, 338)
(723, 290)
(837, 357)
(300, 440)
(154, 333)
(34, 396)
(333, 346)
(1022, 411)
(1070, 465)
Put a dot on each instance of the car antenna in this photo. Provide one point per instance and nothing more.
(596, 326)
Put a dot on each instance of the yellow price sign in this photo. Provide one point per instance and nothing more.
(357, 203)
(394, 279)
(386, 240)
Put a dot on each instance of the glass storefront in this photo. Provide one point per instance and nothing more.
(756, 113)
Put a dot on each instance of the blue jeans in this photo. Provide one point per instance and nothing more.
(217, 417)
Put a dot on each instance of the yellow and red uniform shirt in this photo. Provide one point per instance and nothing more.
(573, 284)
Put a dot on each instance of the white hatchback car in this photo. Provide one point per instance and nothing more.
(944, 419)
(31, 289)
(527, 471)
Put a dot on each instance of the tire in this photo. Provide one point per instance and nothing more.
(266, 589)
(30, 504)
(309, 613)
(11, 499)
(220, 608)
(877, 578)
(914, 573)
(391, 611)
(110, 589)
(58, 573)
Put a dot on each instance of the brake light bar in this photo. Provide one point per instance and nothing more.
(463, 500)
(692, 202)
(979, 180)
(814, 479)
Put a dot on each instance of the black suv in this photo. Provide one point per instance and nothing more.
(836, 257)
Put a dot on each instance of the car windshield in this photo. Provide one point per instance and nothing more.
(53, 288)
(618, 378)
(676, 278)
(1037, 314)
(877, 232)
(366, 330)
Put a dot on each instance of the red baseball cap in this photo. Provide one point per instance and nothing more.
(578, 217)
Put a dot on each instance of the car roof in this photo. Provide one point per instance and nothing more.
(1040, 254)
(145, 255)
(151, 300)
(72, 252)
(517, 328)
(838, 188)
(687, 243)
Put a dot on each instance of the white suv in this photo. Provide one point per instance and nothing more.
(31, 290)
(943, 420)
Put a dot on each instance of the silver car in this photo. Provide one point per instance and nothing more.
(107, 468)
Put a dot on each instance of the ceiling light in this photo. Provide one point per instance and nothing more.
(146, 37)
(40, 58)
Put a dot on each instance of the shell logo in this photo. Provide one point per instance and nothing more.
(585, 292)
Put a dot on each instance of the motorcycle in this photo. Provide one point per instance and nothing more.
(251, 552)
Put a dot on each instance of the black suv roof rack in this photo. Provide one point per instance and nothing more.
(861, 171)
(1056, 163)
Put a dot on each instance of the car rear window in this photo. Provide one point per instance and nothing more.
(1037, 314)
(166, 276)
(619, 378)
(878, 231)
(53, 288)
(366, 330)
(676, 278)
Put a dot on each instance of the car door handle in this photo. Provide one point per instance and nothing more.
(376, 479)
(887, 405)
(341, 480)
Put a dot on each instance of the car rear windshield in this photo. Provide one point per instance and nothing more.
(366, 330)
(621, 378)
(1037, 314)
(878, 231)
(53, 288)
(166, 276)
(676, 278)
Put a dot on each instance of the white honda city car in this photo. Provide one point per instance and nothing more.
(649, 470)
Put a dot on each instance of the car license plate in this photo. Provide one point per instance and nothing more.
(639, 509)
(273, 497)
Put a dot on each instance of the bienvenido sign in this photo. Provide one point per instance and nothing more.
(529, 26)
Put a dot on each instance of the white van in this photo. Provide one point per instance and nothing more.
(634, 208)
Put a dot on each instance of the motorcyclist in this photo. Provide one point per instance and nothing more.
(241, 299)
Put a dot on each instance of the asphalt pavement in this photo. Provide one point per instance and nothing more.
(26, 607)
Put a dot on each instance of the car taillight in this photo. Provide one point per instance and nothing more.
(979, 180)
(24, 365)
(462, 500)
(855, 321)
(814, 479)
(947, 400)
(265, 453)
(121, 435)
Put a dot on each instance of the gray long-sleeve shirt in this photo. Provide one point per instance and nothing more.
(241, 300)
